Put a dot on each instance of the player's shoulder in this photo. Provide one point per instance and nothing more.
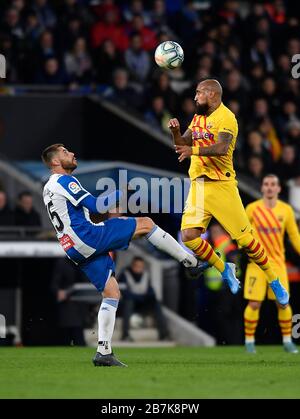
(284, 206)
(66, 181)
(253, 205)
(51, 181)
(69, 183)
(224, 110)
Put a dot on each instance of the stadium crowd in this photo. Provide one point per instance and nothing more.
(22, 215)
(108, 46)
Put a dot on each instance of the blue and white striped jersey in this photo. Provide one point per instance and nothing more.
(63, 196)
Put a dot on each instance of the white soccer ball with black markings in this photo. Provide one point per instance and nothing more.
(169, 55)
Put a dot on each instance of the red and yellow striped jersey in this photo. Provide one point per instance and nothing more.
(204, 133)
(270, 226)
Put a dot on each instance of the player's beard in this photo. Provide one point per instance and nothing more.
(202, 109)
(69, 165)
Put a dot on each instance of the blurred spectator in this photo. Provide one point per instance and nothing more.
(25, 214)
(78, 62)
(288, 166)
(162, 87)
(260, 54)
(225, 36)
(270, 94)
(121, 92)
(107, 60)
(256, 74)
(19, 5)
(69, 31)
(136, 7)
(256, 145)
(71, 315)
(283, 68)
(136, 59)
(52, 73)
(187, 112)
(292, 90)
(256, 168)
(189, 19)
(159, 18)
(12, 24)
(229, 11)
(260, 109)
(6, 214)
(138, 294)
(276, 11)
(148, 36)
(293, 134)
(71, 8)
(46, 47)
(109, 29)
(44, 13)
(158, 116)
(33, 29)
(289, 113)
(293, 46)
(270, 135)
(234, 90)
(104, 7)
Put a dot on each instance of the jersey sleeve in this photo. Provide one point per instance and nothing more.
(292, 230)
(70, 188)
(228, 124)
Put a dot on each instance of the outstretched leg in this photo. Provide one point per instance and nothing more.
(191, 238)
(162, 240)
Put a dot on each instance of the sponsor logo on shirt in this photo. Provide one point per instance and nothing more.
(74, 187)
(66, 242)
(197, 135)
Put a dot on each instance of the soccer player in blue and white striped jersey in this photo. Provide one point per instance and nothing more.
(88, 244)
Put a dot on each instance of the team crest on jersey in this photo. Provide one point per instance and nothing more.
(74, 187)
(209, 125)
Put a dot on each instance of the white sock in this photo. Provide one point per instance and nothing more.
(250, 339)
(165, 242)
(287, 339)
(106, 324)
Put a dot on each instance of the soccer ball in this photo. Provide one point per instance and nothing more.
(169, 54)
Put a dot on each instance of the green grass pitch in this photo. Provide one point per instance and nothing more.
(180, 372)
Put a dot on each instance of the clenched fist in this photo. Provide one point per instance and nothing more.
(174, 125)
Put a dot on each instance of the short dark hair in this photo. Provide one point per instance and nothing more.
(137, 259)
(24, 193)
(272, 175)
(49, 152)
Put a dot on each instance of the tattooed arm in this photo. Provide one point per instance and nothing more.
(219, 149)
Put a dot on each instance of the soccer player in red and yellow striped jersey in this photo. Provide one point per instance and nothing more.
(209, 142)
(271, 220)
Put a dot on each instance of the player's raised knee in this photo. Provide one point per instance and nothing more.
(145, 224)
